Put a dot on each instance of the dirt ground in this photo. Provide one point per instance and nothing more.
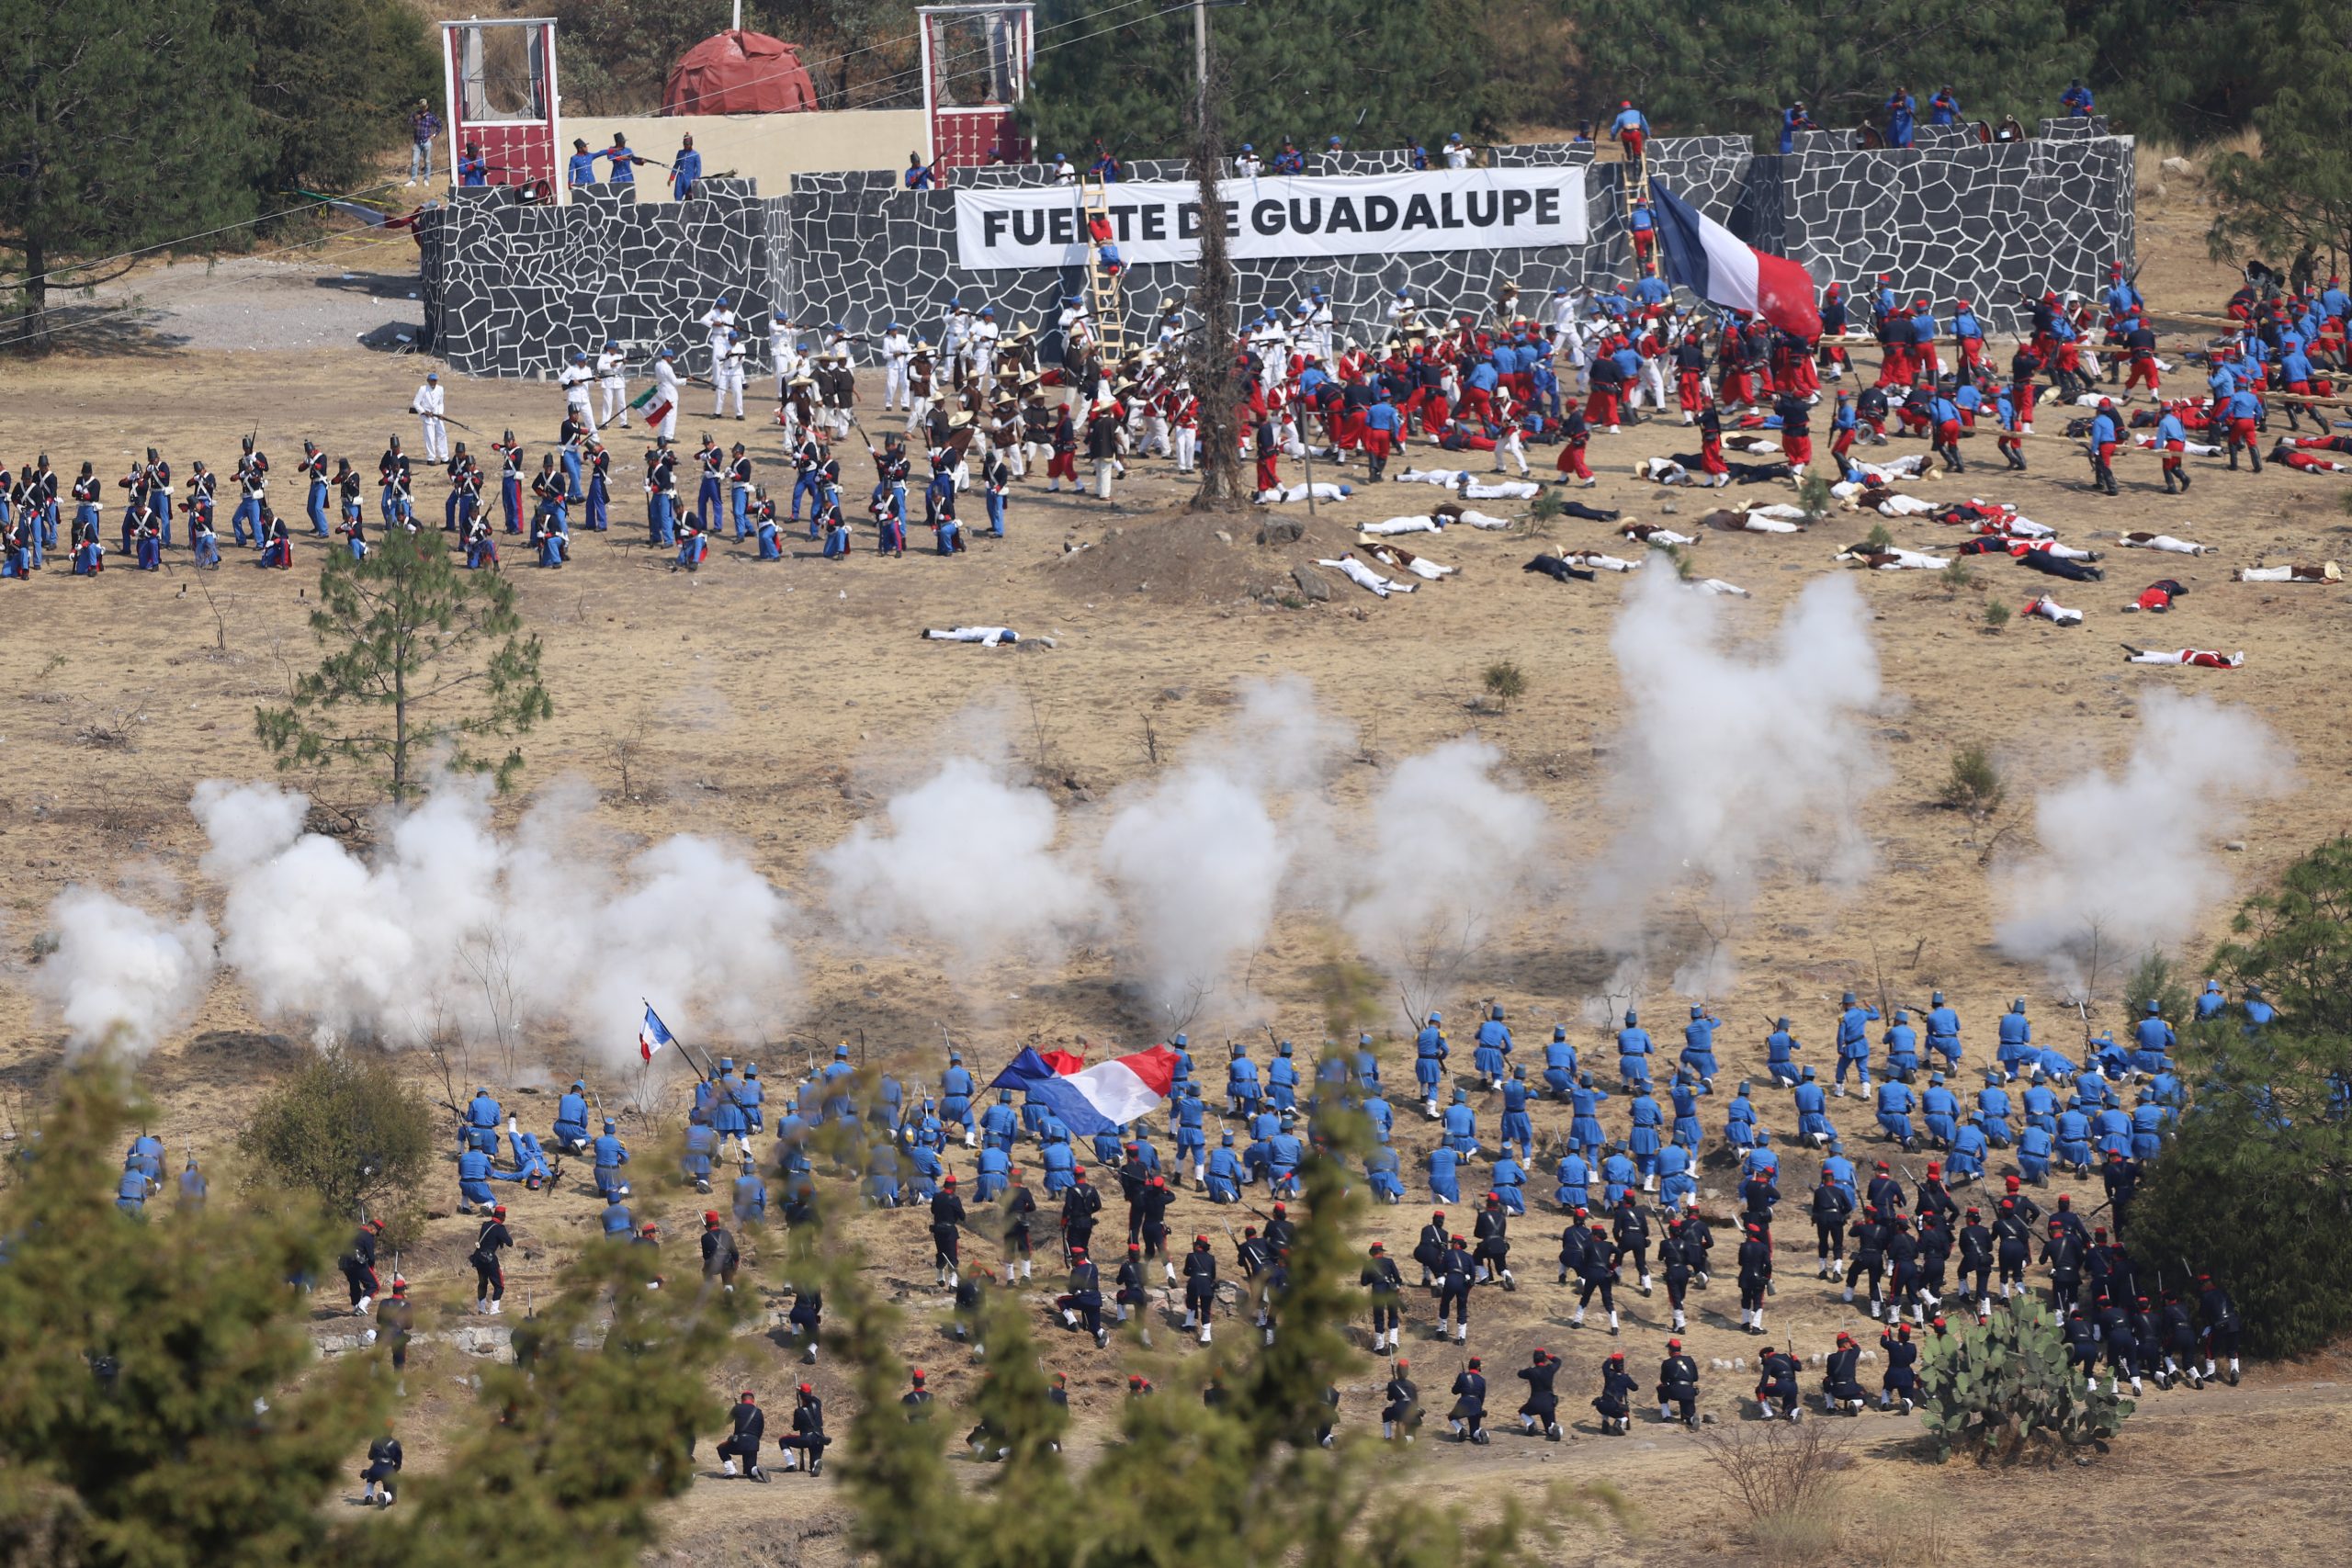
(761, 701)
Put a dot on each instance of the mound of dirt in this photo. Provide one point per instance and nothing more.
(1181, 557)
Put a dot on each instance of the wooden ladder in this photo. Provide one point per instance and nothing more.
(1103, 295)
(1636, 183)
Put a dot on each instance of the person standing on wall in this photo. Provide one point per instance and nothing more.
(423, 127)
(685, 169)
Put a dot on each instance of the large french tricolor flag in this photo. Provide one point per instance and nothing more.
(1706, 258)
(1099, 1099)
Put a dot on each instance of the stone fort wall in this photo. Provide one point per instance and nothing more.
(512, 290)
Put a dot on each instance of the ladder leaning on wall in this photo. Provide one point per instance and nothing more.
(1103, 300)
(1636, 183)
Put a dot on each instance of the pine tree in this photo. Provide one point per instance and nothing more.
(416, 671)
(331, 86)
(149, 1411)
(1371, 72)
(1695, 67)
(116, 133)
(2254, 1186)
(2296, 196)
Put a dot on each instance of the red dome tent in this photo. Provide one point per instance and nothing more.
(739, 72)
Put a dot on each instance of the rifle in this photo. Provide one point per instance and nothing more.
(445, 419)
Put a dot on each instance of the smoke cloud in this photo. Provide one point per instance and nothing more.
(1196, 862)
(2129, 859)
(121, 975)
(1732, 757)
(455, 926)
(965, 860)
(1454, 847)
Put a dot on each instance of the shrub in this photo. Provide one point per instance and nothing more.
(348, 1128)
(1814, 495)
(1976, 785)
(1505, 682)
(1997, 616)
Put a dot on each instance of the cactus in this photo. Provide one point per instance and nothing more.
(2009, 1385)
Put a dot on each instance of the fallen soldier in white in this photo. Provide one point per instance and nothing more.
(2050, 610)
(2302, 571)
(1403, 526)
(1893, 558)
(1753, 446)
(2203, 658)
(1765, 517)
(1917, 466)
(1655, 534)
(1366, 578)
(2193, 448)
(1501, 489)
(1446, 477)
(1472, 516)
(2165, 542)
(1595, 560)
(1878, 498)
(1298, 492)
(1666, 471)
(1406, 560)
(986, 636)
(1716, 586)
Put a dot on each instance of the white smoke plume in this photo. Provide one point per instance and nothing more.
(1196, 861)
(1732, 757)
(119, 976)
(964, 860)
(2129, 859)
(452, 925)
(1455, 848)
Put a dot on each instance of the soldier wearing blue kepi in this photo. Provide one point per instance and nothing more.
(1444, 1178)
(1895, 1111)
(1517, 1126)
(1739, 1120)
(702, 1143)
(611, 1154)
(2041, 1104)
(1381, 1114)
(193, 1186)
(1969, 1147)
(1192, 1137)
(1684, 1092)
(1000, 1123)
(750, 1195)
(1559, 1064)
(131, 1194)
(2150, 1038)
(1430, 1052)
(2211, 1002)
(1224, 1175)
(2016, 1037)
(1675, 1182)
(1943, 1030)
(1240, 1082)
(1634, 1050)
(955, 1090)
(1642, 1144)
(1282, 1079)
(1902, 1042)
(473, 1179)
(1940, 1109)
(482, 1116)
(1618, 1175)
(1461, 1126)
(571, 1119)
(1584, 1120)
(1993, 1101)
(1854, 1040)
(1813, 1110)
(614, 1220)
(1780, 1050)
(1493, 1049)
(1699, 1047)
(727, 1117)
(1367, 1065)
(1380, 1169)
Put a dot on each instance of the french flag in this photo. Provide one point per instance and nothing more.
(1704, 257)
(1099, 1099)
(652, 1034)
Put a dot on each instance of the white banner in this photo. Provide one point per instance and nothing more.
(1338, 215)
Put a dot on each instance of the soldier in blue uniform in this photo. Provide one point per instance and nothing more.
(1634, 1050)
(1559, 1064)
(610, 1156)
(1493, 1049)
(1854, 1040)
(1430, 1052)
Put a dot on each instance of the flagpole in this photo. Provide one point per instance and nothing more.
(687, 1052)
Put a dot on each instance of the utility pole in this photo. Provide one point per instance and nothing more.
(1199, 52)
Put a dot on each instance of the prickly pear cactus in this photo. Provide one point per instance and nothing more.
(2007, 1386)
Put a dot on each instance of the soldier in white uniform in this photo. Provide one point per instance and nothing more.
(430, 405)
(727, 374)
(1318, 323)
(665, 393)
(897, 346)
(612, 374)
(983, 347)
(718, 321)
(575, 379)
(955, 337)
(1458, 155)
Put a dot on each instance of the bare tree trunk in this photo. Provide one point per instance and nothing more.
(32, 324)
(1208, 359)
